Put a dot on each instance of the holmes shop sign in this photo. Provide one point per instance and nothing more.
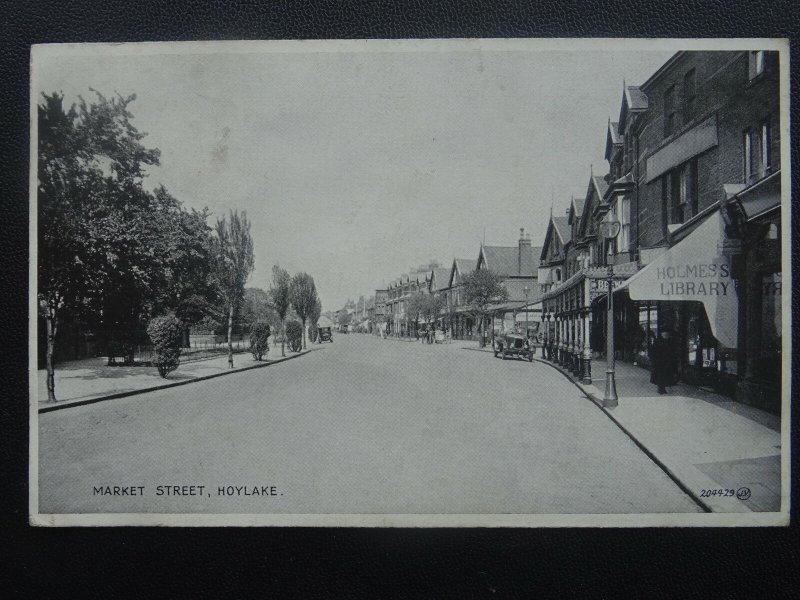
(694, 279)
(695, 269)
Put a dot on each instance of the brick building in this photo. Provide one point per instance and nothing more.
(694, 181)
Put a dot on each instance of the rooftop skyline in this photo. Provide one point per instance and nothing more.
(355, 165)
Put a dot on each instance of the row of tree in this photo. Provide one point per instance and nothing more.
(480, 289)
(113, 255)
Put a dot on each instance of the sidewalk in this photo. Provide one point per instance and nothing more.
(92, 380)
(705, 441)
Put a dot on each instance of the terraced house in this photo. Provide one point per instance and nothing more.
(695, 183)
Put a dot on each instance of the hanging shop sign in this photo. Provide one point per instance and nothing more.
(599, 287)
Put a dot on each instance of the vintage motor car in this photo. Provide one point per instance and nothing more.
(324, 335)
(513, 344)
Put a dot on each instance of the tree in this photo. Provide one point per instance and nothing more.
(294, 335)
(255, 307)
(90, 158)
(313, 317)
(281, 300)
(259, 339)
(166, 333)
(415, 307)
(303, 294)
(233, 263)
(432, 308)
(157, 260)
(482, 288)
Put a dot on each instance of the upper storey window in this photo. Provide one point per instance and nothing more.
(689, 96)
(669, 110)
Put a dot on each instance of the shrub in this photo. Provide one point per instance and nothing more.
(166, 333)
(259, 335)
(294, 335)
(312, 333)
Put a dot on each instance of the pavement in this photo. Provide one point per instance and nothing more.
(360, 426)
(92, 380)
(705, 440)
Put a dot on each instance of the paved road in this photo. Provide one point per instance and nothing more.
(359, 426)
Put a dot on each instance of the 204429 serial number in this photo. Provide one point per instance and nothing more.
(719, 493)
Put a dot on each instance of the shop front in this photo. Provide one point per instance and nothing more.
(755, 214)
(716, 292)
(574, 317)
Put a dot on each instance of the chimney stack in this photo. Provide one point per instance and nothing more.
(524, 253)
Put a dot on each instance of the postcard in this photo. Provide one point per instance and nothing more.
(410, 283)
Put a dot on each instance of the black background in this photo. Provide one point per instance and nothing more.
(174, 562)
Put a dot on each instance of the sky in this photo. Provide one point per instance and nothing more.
(356, 163)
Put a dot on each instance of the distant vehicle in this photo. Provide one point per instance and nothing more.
(324, 335)
(513, 344)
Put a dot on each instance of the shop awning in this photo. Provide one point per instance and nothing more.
(697, 268)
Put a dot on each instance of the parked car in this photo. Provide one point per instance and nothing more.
(513, 344)
(324, 335)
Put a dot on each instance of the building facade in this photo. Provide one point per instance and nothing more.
(694, 183)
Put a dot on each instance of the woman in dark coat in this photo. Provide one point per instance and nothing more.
(662, 362)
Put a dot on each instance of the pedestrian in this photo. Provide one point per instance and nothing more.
(662, 361)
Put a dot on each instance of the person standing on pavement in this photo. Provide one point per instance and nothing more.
(662, 362)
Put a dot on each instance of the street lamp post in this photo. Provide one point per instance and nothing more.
(610, 230)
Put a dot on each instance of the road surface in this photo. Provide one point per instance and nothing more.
(362, 425)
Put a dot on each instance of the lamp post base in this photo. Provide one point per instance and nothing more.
(610, 399)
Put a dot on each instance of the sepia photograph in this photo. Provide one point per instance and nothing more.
(410, 283)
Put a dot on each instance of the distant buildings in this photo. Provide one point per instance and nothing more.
(694, 183)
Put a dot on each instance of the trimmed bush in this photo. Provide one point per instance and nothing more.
(294, 335)
(166, 333)
(259, 335)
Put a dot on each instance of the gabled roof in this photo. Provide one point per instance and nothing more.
(505, 260)
(597, 189)
(613, 139)
(562, 228)
(600, 185)
(577, 204)
(558, 226)
(633, 100)
(462, 265)
(440, 277)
